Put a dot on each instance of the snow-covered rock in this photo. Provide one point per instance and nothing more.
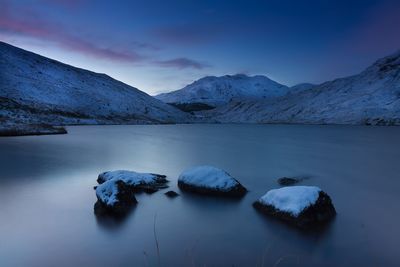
(371, 97)
(216, 91)
(131, 177)
(114, 198)
(210, 180)
(303, 206)
(35, 90)
(116, 190)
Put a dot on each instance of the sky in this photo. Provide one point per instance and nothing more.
(159, 46)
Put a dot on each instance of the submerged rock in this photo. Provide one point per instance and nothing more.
(288, 181)
(303, 206)
(171, 194)
(116, 190)
(210, 180)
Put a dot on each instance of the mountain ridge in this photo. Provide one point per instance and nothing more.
(216, 91)
(36, 90)
(370, 97)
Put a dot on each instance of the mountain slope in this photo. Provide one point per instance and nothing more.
(35, 89)
(301, 87)
(216, 91)
(371, 97)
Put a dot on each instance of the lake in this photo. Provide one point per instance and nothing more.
(47, 196)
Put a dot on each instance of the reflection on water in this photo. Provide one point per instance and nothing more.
(47, 196)
(112, 222)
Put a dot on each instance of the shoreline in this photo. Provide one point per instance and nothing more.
(31, 129)
(45, 129)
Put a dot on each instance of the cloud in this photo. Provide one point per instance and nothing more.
(33, 26)
(17, 21)
(182, 63)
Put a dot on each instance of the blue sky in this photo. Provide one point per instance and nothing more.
(159, 46)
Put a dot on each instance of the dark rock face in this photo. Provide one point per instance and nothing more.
(191, 107)
(237, 191)
(313, 216)
(171, 194)
(40, 129)
(125, 202)
(285, 181)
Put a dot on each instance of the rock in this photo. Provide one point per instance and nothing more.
(303, 206)
(140, 182)
(210, 180)
(171, 194)
(116, 190)
(114, 198)
(288, 181)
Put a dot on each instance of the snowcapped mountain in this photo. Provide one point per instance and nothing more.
(371, 97)
(216, 91)
(35, 89)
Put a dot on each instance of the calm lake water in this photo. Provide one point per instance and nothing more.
(47, 196)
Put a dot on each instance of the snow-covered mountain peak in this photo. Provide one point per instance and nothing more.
(215, 91)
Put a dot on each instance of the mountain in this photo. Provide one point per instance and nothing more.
(216, 91)
(36, 90)
(301, 87)
(371, 97)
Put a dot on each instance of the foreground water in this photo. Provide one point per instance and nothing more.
(47, 196)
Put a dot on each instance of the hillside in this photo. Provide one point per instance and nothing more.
(38, 90)
(371, 97)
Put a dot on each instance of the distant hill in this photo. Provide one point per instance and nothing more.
(216, 91)
(371, 97)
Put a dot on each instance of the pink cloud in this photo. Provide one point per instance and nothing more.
(27, 23)
(32, 26)
(182, 63)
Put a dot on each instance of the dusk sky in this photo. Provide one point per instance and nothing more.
(159, 46)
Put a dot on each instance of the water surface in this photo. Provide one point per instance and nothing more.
(47, 196)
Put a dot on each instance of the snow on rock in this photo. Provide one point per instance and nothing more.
(210, 180)
(131, 177)
(115, 193)
(303, 206)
